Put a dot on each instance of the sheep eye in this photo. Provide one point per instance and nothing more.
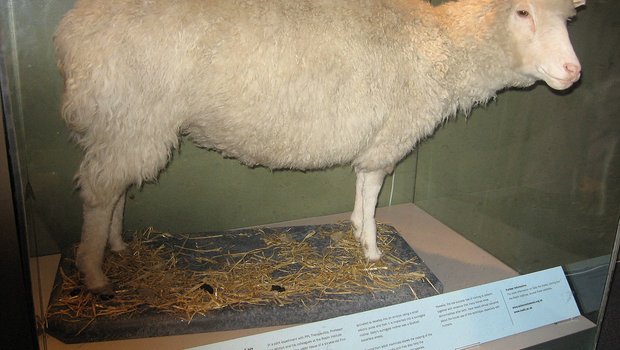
(523, 13)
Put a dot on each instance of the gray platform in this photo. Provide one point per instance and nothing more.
(150, 323)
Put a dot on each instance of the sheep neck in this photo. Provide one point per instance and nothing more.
(479, 60)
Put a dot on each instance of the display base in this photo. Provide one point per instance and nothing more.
(152, 323)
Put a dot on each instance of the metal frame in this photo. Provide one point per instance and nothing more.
(16, 303)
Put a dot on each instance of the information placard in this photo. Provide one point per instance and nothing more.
(455, 320)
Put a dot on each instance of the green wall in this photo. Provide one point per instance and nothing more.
(203, 191)
(534, 177)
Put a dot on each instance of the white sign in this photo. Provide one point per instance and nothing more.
(453, 320)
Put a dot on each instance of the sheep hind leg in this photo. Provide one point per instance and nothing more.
(103, 190)
(368, 185)
(97, 211)
(115, 239)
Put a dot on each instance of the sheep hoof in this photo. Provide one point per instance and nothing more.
(122, 252)
(121, 249)
(102, 289)
(372, 254)
(105, 292)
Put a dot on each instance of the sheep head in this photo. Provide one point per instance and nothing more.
(542, 43)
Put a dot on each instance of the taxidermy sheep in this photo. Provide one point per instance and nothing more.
(304, 84)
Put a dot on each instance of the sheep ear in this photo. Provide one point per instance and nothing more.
(578, 3)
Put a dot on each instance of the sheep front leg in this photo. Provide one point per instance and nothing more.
(367, 187)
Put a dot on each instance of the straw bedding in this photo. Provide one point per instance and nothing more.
(185, 275)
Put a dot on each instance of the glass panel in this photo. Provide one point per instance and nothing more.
(533, 178)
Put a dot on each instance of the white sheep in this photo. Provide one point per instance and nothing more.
(303, 84)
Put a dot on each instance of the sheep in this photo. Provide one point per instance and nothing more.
(305, 84)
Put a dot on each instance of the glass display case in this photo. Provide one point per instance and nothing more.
(528, 182)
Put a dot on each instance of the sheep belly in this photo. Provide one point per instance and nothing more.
(297, 147)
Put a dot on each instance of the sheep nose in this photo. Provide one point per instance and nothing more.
(574, 69)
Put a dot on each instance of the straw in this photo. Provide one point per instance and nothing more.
(157, 276)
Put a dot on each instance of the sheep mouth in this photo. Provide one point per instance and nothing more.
(557, 82)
